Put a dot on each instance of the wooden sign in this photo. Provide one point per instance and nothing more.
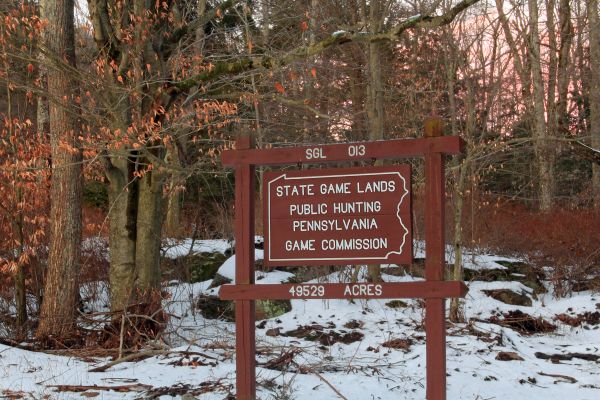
(360, 290)
(359, 215)
(338, 216)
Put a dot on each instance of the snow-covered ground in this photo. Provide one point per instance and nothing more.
(201, 357)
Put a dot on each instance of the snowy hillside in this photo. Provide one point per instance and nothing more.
(336, 349)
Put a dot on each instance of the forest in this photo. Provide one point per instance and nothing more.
(114, 115)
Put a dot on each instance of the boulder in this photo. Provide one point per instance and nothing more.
(515, 271)
(211, 307)
(508, 356)
(507, 296)
(193, 268)
(396, 304)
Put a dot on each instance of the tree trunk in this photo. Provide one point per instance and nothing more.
(375, 99)
(460, 178)
(174, 198)
(135, 231)
(122, 195)
(19, 276)
(20, 298)
(544, 155)
(594, 23)
(456, 313)
(566, 38)
(57, 315)
(552, 124)
(149, 222)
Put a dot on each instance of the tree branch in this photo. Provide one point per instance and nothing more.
(104, 34)
(336, 38)
(178, 34)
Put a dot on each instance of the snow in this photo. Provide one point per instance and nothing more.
(360, 370)
(178, 248)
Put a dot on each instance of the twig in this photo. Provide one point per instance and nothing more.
(122, 335)
(565, 377)
(138, 387)
(329, 384)
(131, 357)
(303, 369)
(148, 353)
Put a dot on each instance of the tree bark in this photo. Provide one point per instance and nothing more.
(375, 99)
(122, 193)
(174, 197)
(544, 154)
(57, 315)
(594, 25)
(552, 123)
(566, 39)
(148, 225)
(460, 176)
(19, 276)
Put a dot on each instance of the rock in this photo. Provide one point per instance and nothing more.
(353, 324)
(396, 304)
(198, 267)
(557, 358)
(204, 266)
(515, 271)
(219, 280)
(588, 317)
(524, 323)
(401, 344)
(317, 332)
(509, 297)
(211, 307)
(266, 309)
(509, 356)
(335, 337)
(273, 332)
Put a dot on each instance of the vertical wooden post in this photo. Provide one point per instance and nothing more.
(435, 263)
(245, 362)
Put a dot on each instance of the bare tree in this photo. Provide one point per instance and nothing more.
(594, 28)
(57, 313)
(543, 149)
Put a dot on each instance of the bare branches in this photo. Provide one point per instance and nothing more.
(335, 39)
(104, 34)
(202, 20)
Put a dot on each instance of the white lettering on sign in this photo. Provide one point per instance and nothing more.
(363, 289)
(308, 209)
(356, 150)
(295, 190)
(359, 224)
(354, 244)
(335, 188)
(357, 207)
(326, 225)
(376, 187)
(307, 291)
(327, 215)
(315, 153)
(300, 245)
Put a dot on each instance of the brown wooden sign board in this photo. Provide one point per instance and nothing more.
(288, 223)
(364, 290)
(337, 216)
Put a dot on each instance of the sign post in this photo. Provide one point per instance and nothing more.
(341, 216)
(245, 343)
(435, 262)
